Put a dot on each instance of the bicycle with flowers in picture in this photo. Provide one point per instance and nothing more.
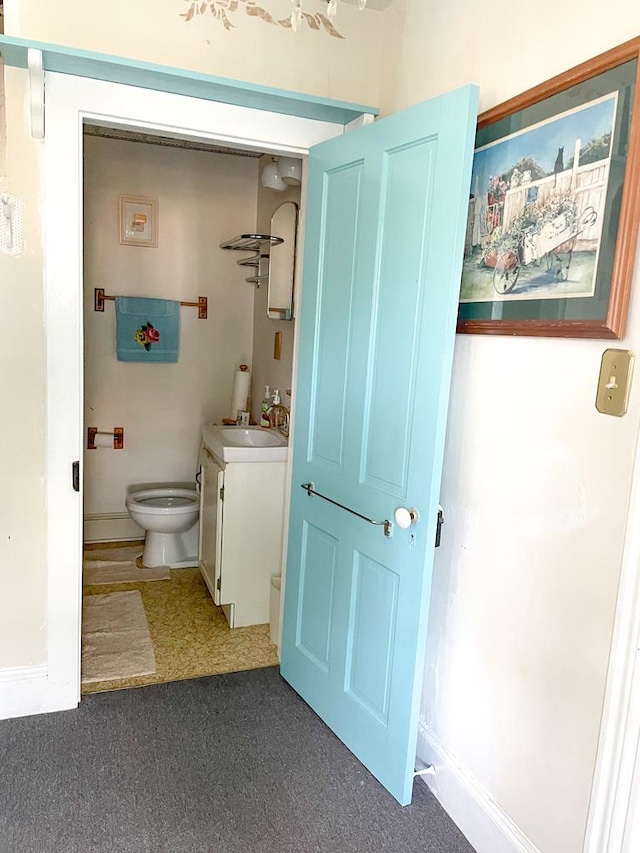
(541, 235)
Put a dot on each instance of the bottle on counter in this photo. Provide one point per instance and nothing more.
(266, 405)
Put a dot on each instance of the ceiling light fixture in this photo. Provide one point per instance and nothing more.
(281, 172)
(332, 9)
(271, 177)
(290, 170)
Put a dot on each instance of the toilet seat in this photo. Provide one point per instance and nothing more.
(171, 502)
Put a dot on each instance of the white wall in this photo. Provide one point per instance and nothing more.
(536, 482)
(266, 369)
(203, 199)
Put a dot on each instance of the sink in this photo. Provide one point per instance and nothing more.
(244, 444)
(247, 437)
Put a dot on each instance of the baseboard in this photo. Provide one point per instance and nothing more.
(26, 690)
(487, 828)
(111, 527)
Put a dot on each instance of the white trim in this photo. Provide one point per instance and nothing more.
(620, 728)
(16, 674)
(36, 92)
(631, 843)
(487, 828)
(111, 527)
(26, 690)
(70, 100)
(297, 307)
(361, 121)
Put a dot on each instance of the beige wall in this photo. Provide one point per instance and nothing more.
(536, 482)
(203, 199)
(359, 68)
(23, 581)
(266, 369)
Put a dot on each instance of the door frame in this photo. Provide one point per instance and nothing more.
(71, 100)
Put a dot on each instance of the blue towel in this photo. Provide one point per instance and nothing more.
(147, 329)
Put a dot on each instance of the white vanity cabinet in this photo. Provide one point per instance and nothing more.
(241, 522)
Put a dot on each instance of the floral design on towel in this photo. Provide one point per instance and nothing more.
(146, 336)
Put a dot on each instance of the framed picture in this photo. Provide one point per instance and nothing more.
(554, 206)
(138, 221)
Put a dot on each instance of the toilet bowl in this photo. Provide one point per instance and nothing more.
(170, 517)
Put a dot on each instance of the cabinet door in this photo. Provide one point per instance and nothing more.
(211, 526)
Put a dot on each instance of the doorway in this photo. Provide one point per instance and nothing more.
(199, 194)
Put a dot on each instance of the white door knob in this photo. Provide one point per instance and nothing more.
(406, 517)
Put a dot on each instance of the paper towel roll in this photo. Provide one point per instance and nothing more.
(103, 439)
(240, 394)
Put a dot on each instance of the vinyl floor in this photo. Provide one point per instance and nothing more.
(190, 635)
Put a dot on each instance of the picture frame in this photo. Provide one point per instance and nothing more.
(550, 244)
(138, 221)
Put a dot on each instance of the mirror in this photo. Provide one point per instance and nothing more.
(282, 262)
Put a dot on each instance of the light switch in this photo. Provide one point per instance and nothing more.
(615, 382)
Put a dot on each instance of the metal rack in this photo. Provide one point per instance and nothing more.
(253, 243)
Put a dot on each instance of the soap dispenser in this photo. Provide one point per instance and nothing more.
(266, 405)
(278, 415)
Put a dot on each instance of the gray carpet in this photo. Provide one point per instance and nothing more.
(229, 764)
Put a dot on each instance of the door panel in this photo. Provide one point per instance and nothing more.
(335, 294)
(317, 574)
(406, 193)
(372, 623)
(384, 240)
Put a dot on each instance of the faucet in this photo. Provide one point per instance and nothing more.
(278, 416)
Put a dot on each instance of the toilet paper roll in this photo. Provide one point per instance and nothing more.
(240, 393)
(104, 439)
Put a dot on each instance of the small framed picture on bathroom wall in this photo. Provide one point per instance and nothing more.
(138, 221)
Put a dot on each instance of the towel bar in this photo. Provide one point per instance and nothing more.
(99, 298)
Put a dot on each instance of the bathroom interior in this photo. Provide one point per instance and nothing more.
(177, 442)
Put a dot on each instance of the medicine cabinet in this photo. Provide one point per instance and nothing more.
(282, 262)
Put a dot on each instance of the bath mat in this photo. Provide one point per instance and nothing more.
(121, 554)
(101, 572)
(115, 637)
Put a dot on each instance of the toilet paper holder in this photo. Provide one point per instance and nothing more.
(118, 437)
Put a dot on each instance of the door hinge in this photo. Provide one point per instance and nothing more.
(75, 476)
(219, 584)
(222, 493)
(439, 524)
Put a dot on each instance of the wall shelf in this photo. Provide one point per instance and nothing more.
(259, 260)
(252, 262)
(251, 242)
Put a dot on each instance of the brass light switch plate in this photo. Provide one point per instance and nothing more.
(614, 382)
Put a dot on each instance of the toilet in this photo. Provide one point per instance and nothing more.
(170, 517)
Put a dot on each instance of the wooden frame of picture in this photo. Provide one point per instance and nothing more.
(550, 244)
(138, 221)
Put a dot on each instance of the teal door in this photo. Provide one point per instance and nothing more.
(386, 215)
